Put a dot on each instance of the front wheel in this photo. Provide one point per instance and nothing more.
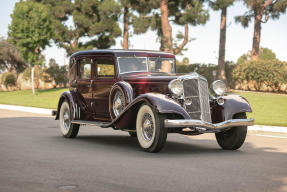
(150, 129)
(233, 138)
(68, 129)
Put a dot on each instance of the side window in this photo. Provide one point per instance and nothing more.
(84, 68)
(105, 67)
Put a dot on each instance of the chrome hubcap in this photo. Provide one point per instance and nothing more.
(118, 104)
(147, 127)
(66, 119)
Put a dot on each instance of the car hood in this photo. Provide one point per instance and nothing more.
(149, 77)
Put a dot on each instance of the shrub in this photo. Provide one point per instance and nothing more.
(8, 79)
(58, 74)
(271, 73)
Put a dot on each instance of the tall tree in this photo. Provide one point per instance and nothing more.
(10, 57)
(222, 6)
(183, 13)
(126, 28)
(159, 15)
(94, 23)
(261, 11)
(31, 31)
(135, 16)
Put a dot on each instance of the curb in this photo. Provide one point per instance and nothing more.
(259, 128)
(27, 109)
(264, 128)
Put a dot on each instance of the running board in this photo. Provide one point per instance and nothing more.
(92, 123)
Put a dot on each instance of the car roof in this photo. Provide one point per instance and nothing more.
(119, 52)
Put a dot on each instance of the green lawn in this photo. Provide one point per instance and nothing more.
(43, 98)
(268, 108)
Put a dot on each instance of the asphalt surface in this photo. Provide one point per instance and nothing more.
(35, 157)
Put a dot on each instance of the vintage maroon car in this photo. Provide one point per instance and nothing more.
(140, 92)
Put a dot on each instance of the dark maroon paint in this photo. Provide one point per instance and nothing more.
(90, 100)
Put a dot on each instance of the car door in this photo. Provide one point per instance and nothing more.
(84, 90)
(104, 80)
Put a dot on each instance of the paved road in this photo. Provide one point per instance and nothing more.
(34, 157)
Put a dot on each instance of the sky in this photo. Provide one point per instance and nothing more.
(204, 47)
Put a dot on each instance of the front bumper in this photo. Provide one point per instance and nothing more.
(189, 123)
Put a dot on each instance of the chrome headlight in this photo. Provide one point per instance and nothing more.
(218, 87)
(176, 87)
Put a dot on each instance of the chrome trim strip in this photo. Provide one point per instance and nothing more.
(187, 123)
(91, 123)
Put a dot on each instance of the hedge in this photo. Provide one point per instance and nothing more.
(270, 73)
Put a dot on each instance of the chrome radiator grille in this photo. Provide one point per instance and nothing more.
(196, 97)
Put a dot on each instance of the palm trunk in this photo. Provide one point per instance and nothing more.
(126, 28)
(165, 27)
(256, 36)
(32, 79)
(221, 57)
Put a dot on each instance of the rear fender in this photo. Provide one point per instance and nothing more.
(69, 97)
(159, 102)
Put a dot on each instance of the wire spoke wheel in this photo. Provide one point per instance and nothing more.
(68, 129)
(66, 119)
(118, 103)
(147, 127)
(150, 129)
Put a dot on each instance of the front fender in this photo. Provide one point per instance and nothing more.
(159, 102)
(235, 104)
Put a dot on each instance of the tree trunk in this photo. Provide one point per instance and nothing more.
(126, 28)
(256, 35)
(184, 42)
(257, 29)
(32, 79)
(221, 57)
(75, 42)
(165, 27)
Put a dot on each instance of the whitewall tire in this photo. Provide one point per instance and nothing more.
(68, 129)
(150, 129)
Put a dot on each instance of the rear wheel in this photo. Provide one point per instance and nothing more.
(68, 129)
(150, 129)
(233, 138)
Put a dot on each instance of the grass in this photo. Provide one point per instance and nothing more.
(42, 98)
(268, 108)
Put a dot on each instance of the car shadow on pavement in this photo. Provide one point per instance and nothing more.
(173, 146)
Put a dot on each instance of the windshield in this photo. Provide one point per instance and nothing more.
(145, 64)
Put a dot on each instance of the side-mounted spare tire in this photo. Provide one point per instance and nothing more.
(117, 102)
